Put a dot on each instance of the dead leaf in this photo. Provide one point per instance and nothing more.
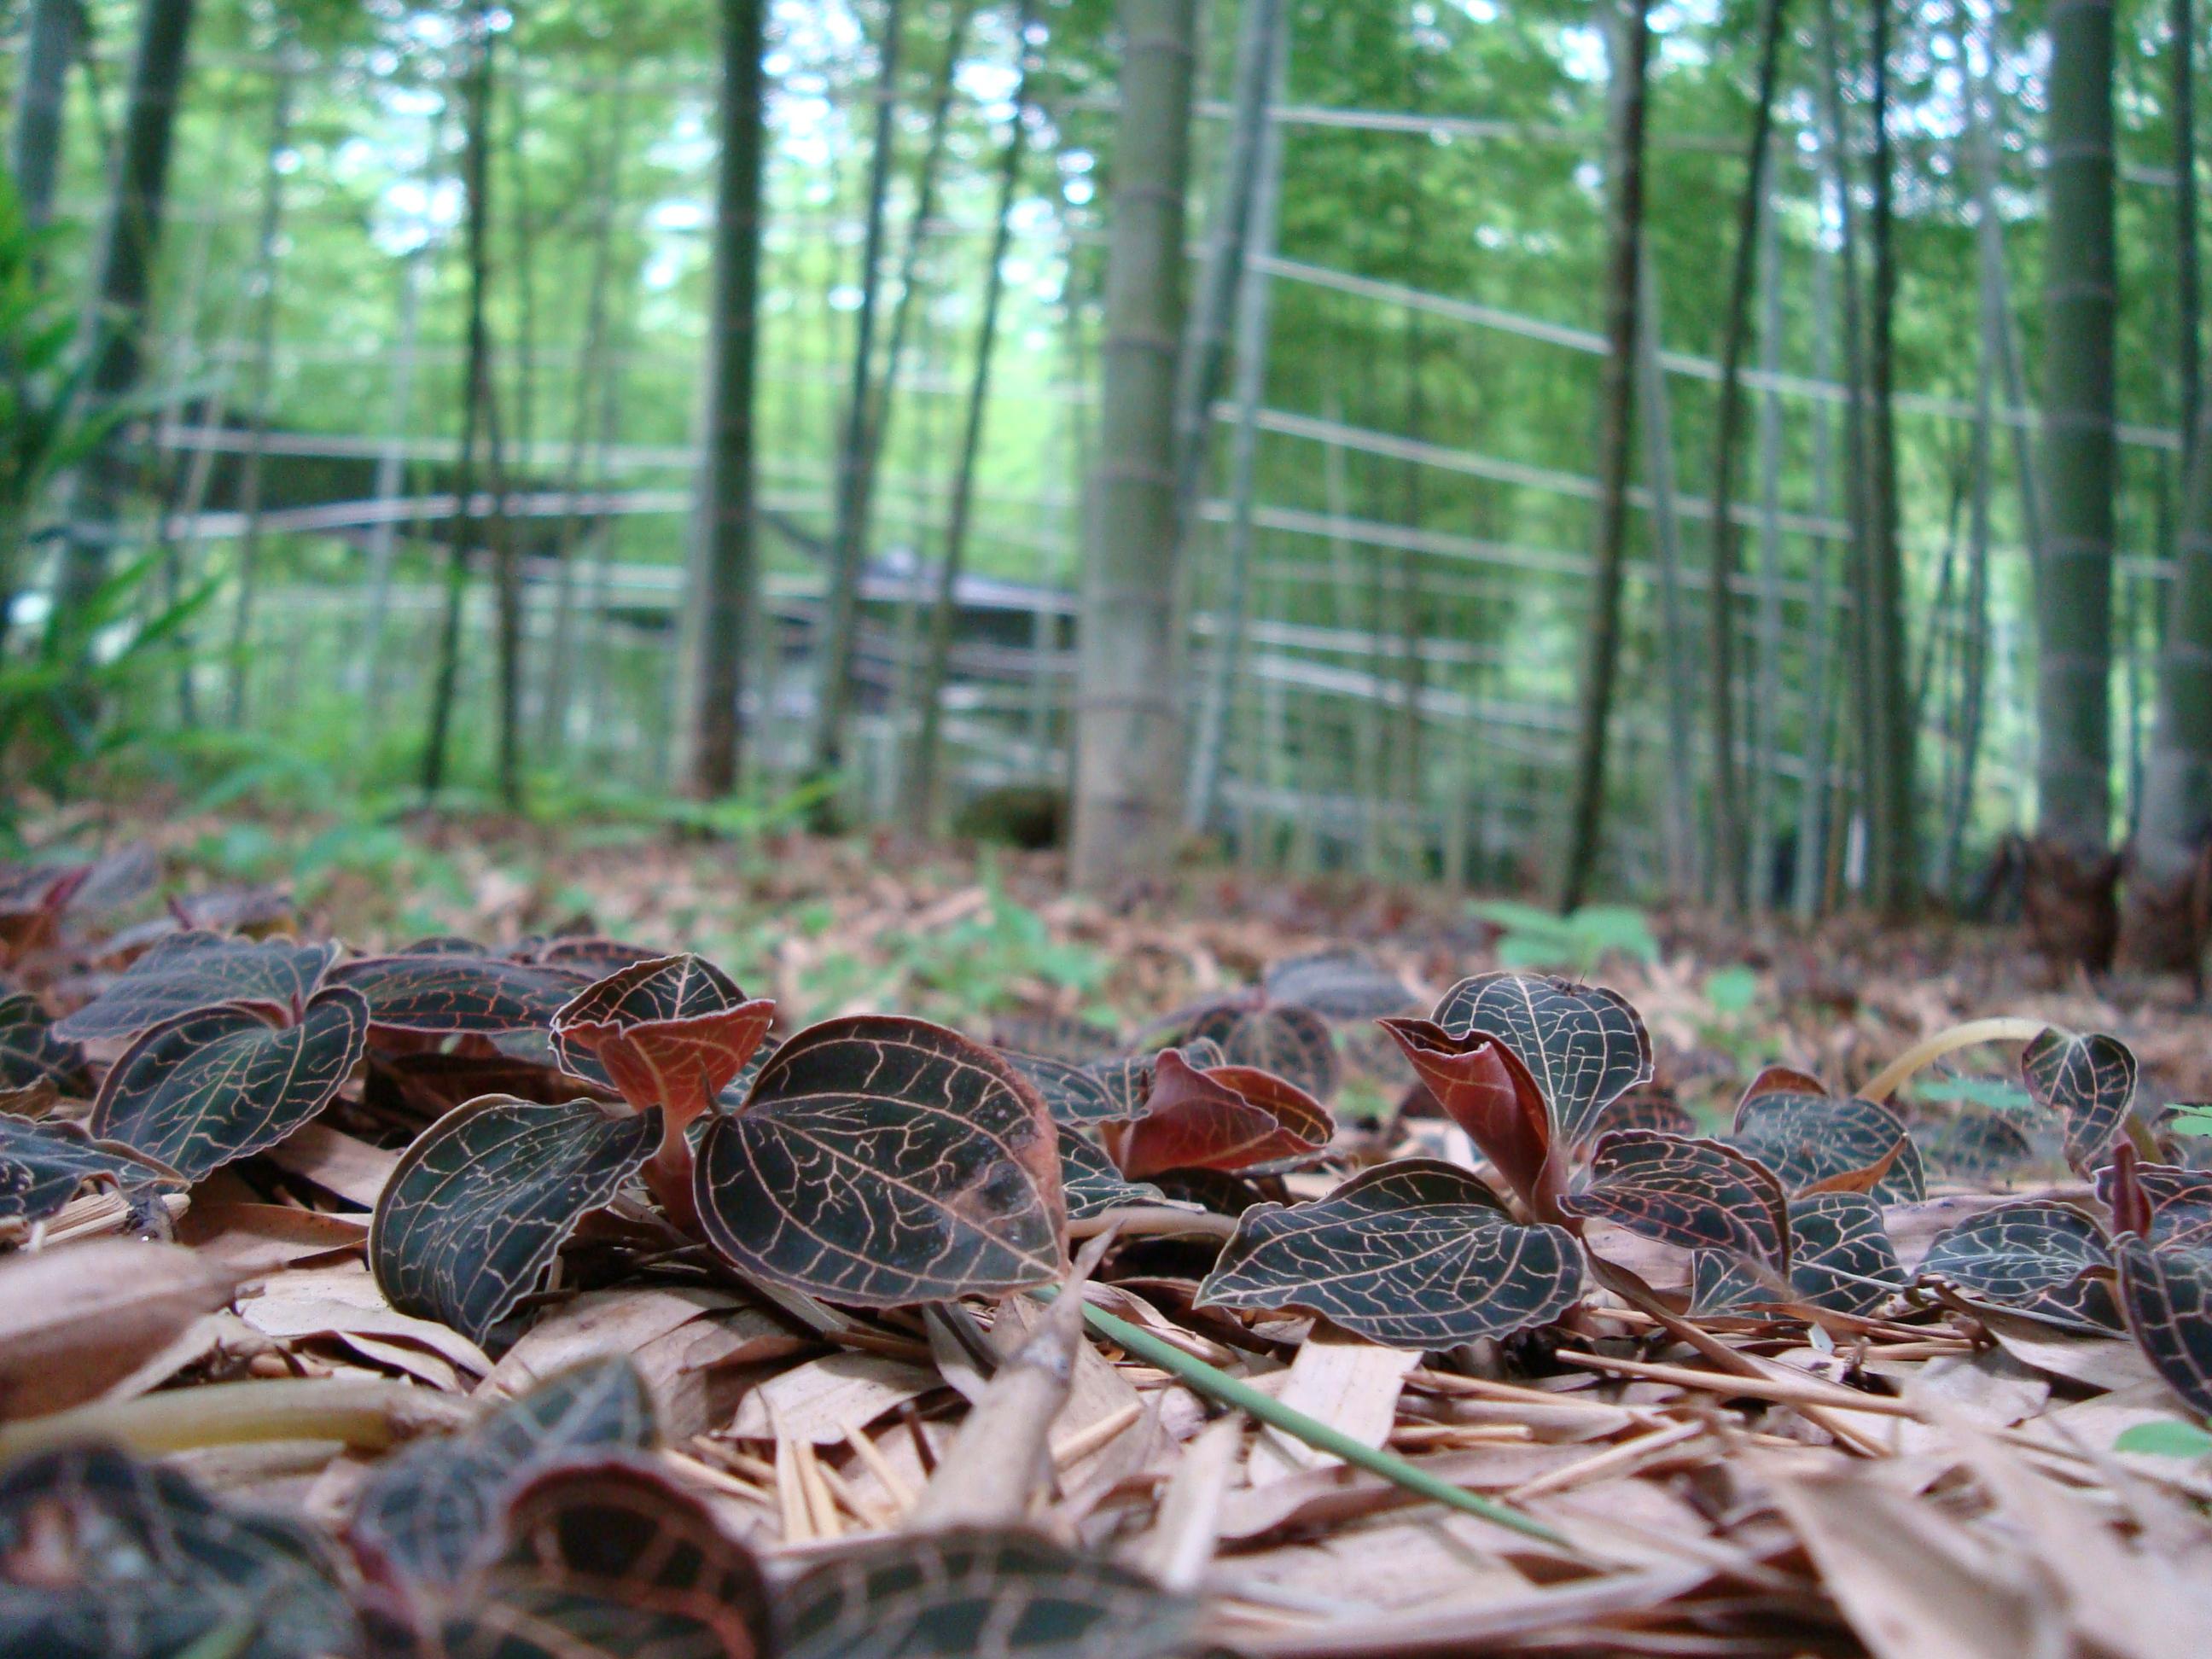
(77, 1319)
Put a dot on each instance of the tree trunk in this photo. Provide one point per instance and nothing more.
(1617, 417)
(555, 688)
(115, 322)
(727, 573)
(266, 258)
(2070, 901)
(1852, 663)
(50, 38)
(2189, 345)
(841, 604)
(1675, 652)
(1129, 669)
(878, 432)
(2168, 901)
(1258, 236)
(476, 394)
(1728, 876)
(922, 793)
(1767, 671)
(1204, 360)
(392, 461)
(1891, 735)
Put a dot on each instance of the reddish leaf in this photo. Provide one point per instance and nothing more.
(669, 1031)
(1229, 1118)
(1585, 1045)
(1485, 1089)
(2177, 1203)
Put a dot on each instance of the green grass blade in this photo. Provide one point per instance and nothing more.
(1211, 1380)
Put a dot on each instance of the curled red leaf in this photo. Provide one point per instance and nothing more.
(1485, 1090)
(1229, 1118)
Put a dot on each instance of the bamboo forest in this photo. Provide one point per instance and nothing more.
(1459, 753)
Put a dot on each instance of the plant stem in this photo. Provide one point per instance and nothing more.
(1209, 1380)
(2001, 1029)
(367, 1416)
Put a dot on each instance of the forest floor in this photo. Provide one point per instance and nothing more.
(968, 934)
(1936, 1476)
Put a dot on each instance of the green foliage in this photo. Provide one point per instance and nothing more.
(1536, 937)
(2170, 1437)
(994, 958)
(1996, 1093)
(2191, 1121)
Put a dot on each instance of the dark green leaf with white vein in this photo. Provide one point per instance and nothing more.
(882, 1161)
(44, 1164)
(1806, 1138)
(29, 1050)
(979, 1593)
(222, 1083)
(1416, 1253)
(426, 1513)
(478, 1207)
(1585, 1045)
(1841, 1258)
(186, 971)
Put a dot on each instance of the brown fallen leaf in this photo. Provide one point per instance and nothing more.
(77, 1319)
(1914, 1582)
(1341, 1379)
(254, 1238)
